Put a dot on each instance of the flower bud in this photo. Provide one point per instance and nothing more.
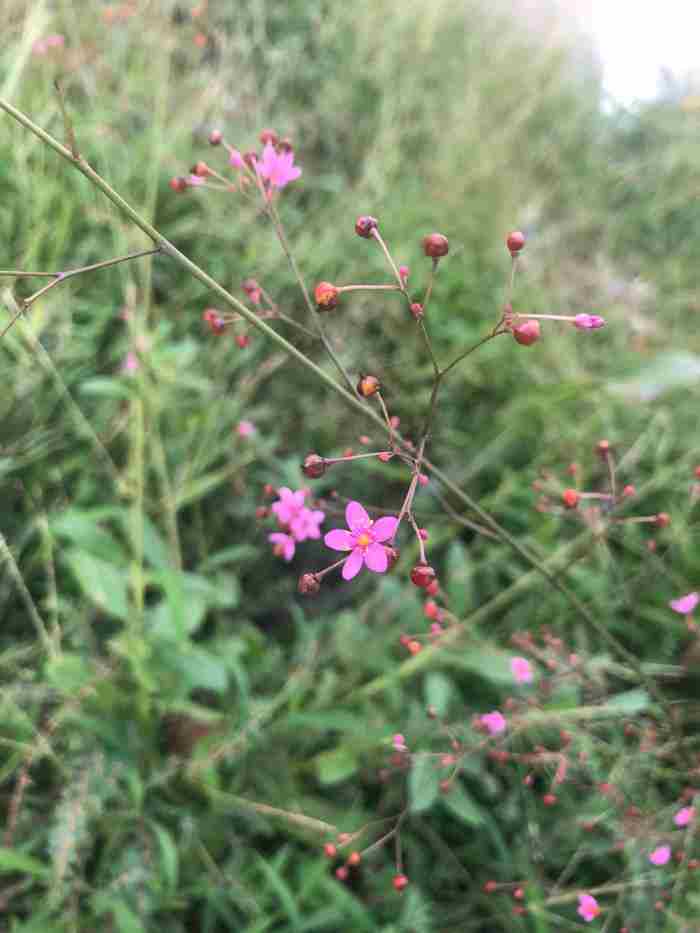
(663, 520)
(422, 575)
(242, 341)
(570, 498)
(400, 882)
(490, 887)
(417, 310)
(368, 386)
(432, 589)
(215, 137)
(414, 646)
(313, 466)
(549, 800)
(364, 226)
(326, 295)
(436, 245)
(178, 184)
(200, 169)
(392, 554)
(285, 145)
(602, 448)
(269, 136)
(250, 158)
(354, 858)
(329, 850)
(341, 873)
(528, 333)
(213, 320)
(309, 584)
(515, 242)
(628, 491)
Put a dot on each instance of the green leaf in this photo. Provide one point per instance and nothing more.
(491, 665)
(168, 856)
(336, 765)
(12, 861)
(155, 549)
(437, 692)
(102, 387)
(423, 783)
(101, 582)
(200, 668)
(82, 528)
(68, 672)
(631, 701)
(461, 805)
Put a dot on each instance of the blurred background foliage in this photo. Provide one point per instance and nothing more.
(159, 672)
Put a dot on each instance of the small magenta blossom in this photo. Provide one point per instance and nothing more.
(245, 429)
(236, 159)
(195, 181)
(289, 504)
(589, 321)
(277, 167)
(282, 545)
(685, 604)
(660, 855)
(684, 816)
(495, 722)
(54, 41)
(521, 670)
(294, 517)
(363, 540)
(588, 907)
(131, 363)
(399, 743)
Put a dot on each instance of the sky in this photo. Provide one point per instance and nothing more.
(637, 38)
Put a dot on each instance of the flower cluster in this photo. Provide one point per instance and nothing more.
(296, 522)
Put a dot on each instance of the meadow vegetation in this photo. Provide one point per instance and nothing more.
(182, 732)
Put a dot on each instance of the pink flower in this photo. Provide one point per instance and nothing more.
(245, 428)
(685, 604)
(684, 816)
(54, 41)
(588, 907)
(131, 363)
(660, 855)
(282, 545)
(277, 167)
(305, 524)
(399, 743)
(403, 275)
(363, 540)
(588, 321)
(495, 722)
(236, 159)
(194, 181)
(521, 670)
(289, 504)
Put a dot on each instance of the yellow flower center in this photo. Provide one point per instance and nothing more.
(363, 540)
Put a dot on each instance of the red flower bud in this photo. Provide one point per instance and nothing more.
(341, 873)
(269, 136)
(628, 491)
(354, 858)
(392, 554)
(527, 333)
(549, 800)
(178, 184)
(422, 575)
(602, 448)
(570, 498)
(326, 295)
(414, 646)
(400, 882)
(313, 466)
(200, 169)
(329, 850)
(309, 584)
(663, 519)
(436, 245)
(490, 887)
(515, 242)
(242, 341)
(417, 310)
(215, 137)
(368, 386)
(365, 225)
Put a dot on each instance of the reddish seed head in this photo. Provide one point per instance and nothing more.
(329, 850)
(549, 800)
(242, 341)
(400, 882)
(309, 584)
(262, 511)
(313, 466)
(490, 887)
(527, 333)
(431, 610)
(364, 226)
(417, 310)
(602, 448)
(432, 589)
(422, 575)
(385, 456)
(178, 184)
(250, 158)
(515, 242)
(445, 786)
(663, 520)
(342, 873)
(354, 858)
(436, 245)
(368, 386)
(215, 137)
(201, 169)
(519, 894)
(214, 321)
(269, 136)
(628, 491)
(326, 295)
(570, 498)
(414, 646)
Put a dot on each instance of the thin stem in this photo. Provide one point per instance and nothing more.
(431, 282)
(369, 288)
(6, 556)
(389, 258)
(19, 274)
(462, 356)
(429, 347)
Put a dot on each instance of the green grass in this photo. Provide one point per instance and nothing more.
(193, 730)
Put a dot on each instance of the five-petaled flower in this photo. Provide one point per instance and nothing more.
(277, 168)
(494, 722)
(684, 816)
(521, 669)
(588, 907)
(363, 540)
(660, 855)
(685, 604)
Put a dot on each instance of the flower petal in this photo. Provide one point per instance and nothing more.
(376, 559)
(356, 517)
(685, 604)
(384, 528)
(339, 540)
(353, 564)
